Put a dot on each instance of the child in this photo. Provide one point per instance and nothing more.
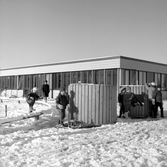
(151, 88)
(157, 97)
(45, 90)
(31, 98)
(120, 101)
(130, 100)
(62, 101)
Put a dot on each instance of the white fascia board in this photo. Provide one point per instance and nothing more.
(64, 67)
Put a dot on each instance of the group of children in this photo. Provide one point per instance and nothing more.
(127, 99)
(154, 99)
(62, 102)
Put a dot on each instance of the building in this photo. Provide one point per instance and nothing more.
(118, 70)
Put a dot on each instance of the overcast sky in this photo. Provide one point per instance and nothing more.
(47, 31)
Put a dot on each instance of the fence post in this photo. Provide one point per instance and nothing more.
(5, 110)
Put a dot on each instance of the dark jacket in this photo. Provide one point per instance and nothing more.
(63, 100)
(45, 89)
(120, 98)
(131, 99)
(157, 95)
(31, 98)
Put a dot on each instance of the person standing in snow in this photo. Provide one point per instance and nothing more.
(62, 102)
(31, 98)
(151, 88)
(45, 90)
(120, 101)
(129, 99)
(157, 97)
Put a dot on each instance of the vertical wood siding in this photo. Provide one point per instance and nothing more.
(92, 103)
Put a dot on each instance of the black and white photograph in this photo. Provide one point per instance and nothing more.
(83, 83)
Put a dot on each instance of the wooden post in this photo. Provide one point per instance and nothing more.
(19, 101)
(5, 110)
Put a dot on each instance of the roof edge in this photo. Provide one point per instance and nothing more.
(63, 62)
(83, 60)
(145, 61)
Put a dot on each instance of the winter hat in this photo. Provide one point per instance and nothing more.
(153, 84)
(35, 89)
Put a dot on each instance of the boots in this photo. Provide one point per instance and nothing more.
(126, 114)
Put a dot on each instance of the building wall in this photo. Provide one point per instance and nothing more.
(57, 80)
(133, 64)
(108, 71)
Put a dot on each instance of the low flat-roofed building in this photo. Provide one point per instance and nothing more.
(117, 70)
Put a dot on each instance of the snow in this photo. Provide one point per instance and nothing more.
(128, 143)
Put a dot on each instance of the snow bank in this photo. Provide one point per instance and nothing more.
(130, 143)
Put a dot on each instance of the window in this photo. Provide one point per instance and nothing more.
(134, 77)
(34, 80)
(20, 82)
(115, 77)
(84, 77)
(73, 77)
(158, 78)
(142, 78)
(111, 77)
(31, 82)
(99, 76)
(78, 76)
(58, 80)
(8, 82)
(54, 81)
(66, 79)
(164, 82)
(150, 77)
(125, 77)
(90, 77)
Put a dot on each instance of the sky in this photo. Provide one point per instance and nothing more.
(36, 32)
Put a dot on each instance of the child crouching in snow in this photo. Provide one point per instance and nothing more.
(31, 98)
(129, 99)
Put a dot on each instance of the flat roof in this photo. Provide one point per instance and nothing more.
(83, 60)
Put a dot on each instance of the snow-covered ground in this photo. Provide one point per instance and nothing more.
(128, 143)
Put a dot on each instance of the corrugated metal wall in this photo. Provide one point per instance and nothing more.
(92, 103)
(141, 93)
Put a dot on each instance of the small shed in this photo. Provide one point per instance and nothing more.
(93, 103)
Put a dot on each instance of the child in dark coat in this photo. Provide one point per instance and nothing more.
(45, 90)
(120, 101)
(157, 96)
(31, 98)
(62, 101)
